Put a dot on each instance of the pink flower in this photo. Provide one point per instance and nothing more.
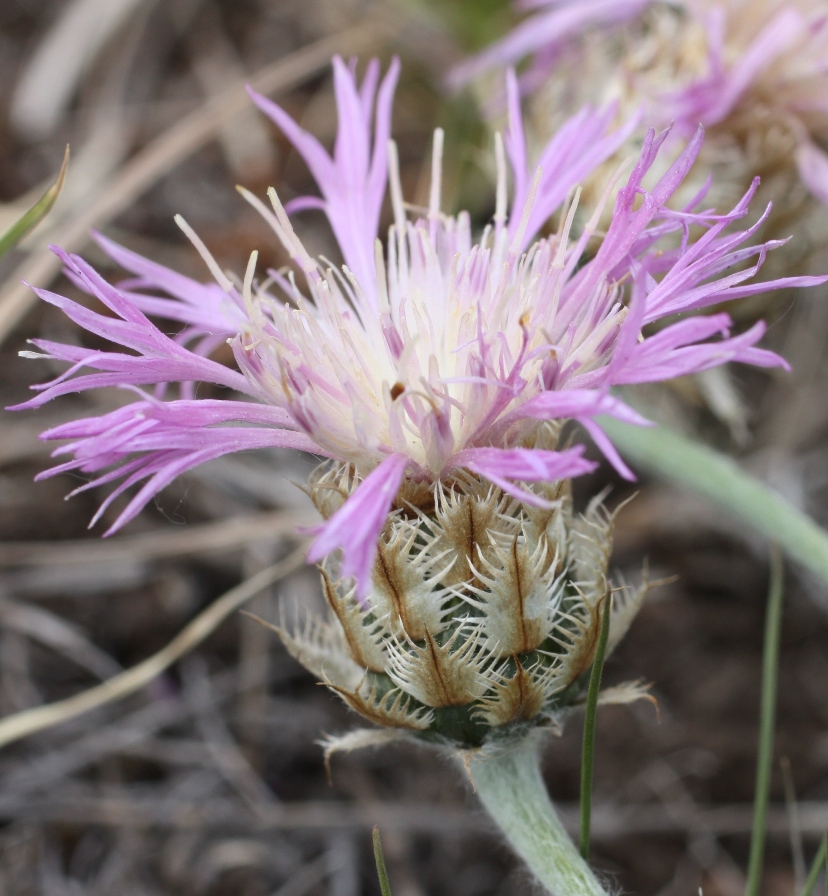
(688, 62)
(542, 32)
(440, 351)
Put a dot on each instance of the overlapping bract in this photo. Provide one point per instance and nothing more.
(482, 618)
(438, 353)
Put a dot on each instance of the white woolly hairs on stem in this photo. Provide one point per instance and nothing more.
(510, 786)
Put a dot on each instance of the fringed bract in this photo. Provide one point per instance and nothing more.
(484, 614)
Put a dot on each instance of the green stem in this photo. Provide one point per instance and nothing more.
(513, 792)
(591, 711)
(770, 668)
(813, 875)
(717, 477)
(379, 858)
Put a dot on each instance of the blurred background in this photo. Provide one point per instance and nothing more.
(210, 780)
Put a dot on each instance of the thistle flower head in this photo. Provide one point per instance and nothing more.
(751, 71)
(434, 356)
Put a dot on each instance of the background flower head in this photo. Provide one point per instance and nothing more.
(751, 71)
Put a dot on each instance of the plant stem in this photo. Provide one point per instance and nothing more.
(674, 456)
(379, 858)
(512, 790)
(764, 764)
(820, 860)
(588, 748)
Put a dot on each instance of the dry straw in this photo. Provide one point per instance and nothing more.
(22, 724)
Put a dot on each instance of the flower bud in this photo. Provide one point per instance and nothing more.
(484, 611)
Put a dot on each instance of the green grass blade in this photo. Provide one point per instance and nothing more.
(36, 213)
(717, 477)
(588, 747)
(379, 858)
(764, 763)
(813, 875)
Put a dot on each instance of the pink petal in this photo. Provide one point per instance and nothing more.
(575, 404)
(356, 526)
(606, 448)
(543, 29)
(501, 465)
(813, 169)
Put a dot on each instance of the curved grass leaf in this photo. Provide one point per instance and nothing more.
(767, 723)
(379, 858)
(588, 748)
(36, 213)
(820, 860)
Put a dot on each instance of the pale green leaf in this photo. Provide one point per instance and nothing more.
(718, 477)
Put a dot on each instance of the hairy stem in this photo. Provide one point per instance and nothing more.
(764, 761)
(671, 455)
(512, 790)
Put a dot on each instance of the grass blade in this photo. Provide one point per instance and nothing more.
(764, 763)
(794, 825)
(813, 875)
(588, 747)
(36, 213)
(379, 858)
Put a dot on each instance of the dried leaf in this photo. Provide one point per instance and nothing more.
(359, 739)
(627, 692)
(362, 636)
(408, 577)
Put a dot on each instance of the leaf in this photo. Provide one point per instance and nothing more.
(718, 477)
(36, 213)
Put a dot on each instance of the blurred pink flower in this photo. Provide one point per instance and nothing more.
(441, 352)
(717, 59)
